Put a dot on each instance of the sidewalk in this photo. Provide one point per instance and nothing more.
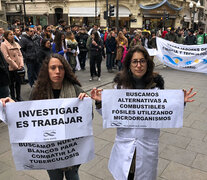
(182, 152)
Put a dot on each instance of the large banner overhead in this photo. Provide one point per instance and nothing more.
(182, 57)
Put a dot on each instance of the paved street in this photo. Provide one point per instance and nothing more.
(182, 152)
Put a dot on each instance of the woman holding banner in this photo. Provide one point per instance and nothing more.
(135, 150)
(56, 80)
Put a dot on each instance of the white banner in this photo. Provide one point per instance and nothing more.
(182, 57)
(53, 155)
(49, 120)
(152, 52)
(142, 108)
(2, 113)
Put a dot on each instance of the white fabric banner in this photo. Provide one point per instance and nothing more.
(49, 120)
(2, 113)
(152, 52)
(53, 155)
(142, 108)
(182, 57)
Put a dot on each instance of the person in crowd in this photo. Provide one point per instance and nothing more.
(82, 38)
(94, 28)
(75, 29)
(16, 24)
(135, 150)
(171, 36)
(39, 30)
(96, 48)
(164, 33)
(48, 86)
(4, 74)
(45, 50)
(145, 39)
(13, 56)
(1, 35)
(190, 39)
(152, 42)
(121, 41)
(136, 41)
(72, 45)
(110, 51)
(126, 34)
(180, 38)
(62, 24)
(59, 44)
(201, 37)
(46, 34)
(30, 46)
(67, 29)
(17, 35)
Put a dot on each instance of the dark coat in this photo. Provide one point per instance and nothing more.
(110, 45)
(190, 40)
(29, 48)
(4, 71)
(82, 40)
(96, 50)
(43, 53)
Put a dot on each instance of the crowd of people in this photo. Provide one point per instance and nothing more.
(53, 54)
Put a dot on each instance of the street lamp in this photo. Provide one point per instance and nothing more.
(193, 11)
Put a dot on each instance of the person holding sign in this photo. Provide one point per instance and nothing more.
(135, 150)
(56, 80)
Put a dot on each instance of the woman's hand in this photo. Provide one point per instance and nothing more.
(6, 100)
(82, 95)
(188, 95)
(96, 94)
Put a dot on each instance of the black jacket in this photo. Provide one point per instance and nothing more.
(190, 40)
(30, 48)
(96, 50)
(82, 40)
(43, 53)
(4, 71)
(110, 45)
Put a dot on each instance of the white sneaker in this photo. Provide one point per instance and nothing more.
(91, 79)
(99, 79)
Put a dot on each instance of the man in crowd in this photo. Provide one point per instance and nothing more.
(180, 38)
(29, 48)
(201, 38)
(17, 34)
(190, 39)
(81, 38)
(171, 36)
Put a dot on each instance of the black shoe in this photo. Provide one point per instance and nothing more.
(19, 99)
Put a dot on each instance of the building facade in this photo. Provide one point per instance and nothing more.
(3, 21)
(151, 14)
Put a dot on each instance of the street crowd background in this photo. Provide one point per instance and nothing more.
(25, 48)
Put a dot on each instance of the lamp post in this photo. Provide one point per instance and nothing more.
(193, 11)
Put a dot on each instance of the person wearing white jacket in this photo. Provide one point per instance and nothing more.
(135, 151)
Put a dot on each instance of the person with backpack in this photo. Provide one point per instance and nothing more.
(82, 40)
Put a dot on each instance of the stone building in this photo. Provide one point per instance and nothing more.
(3, 22)
(132, 13)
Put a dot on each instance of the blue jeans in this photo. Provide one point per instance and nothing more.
(58, 174)
(109, 60)
(4, 91)
(32, 72)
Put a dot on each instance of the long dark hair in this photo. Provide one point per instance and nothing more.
(43, 82)
(125, 77)
(6, 34)
(96, 36)
(58, 41)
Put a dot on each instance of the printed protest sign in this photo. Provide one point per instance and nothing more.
(49, 120)
(53, 155)
(182, 57)
(142, 108)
